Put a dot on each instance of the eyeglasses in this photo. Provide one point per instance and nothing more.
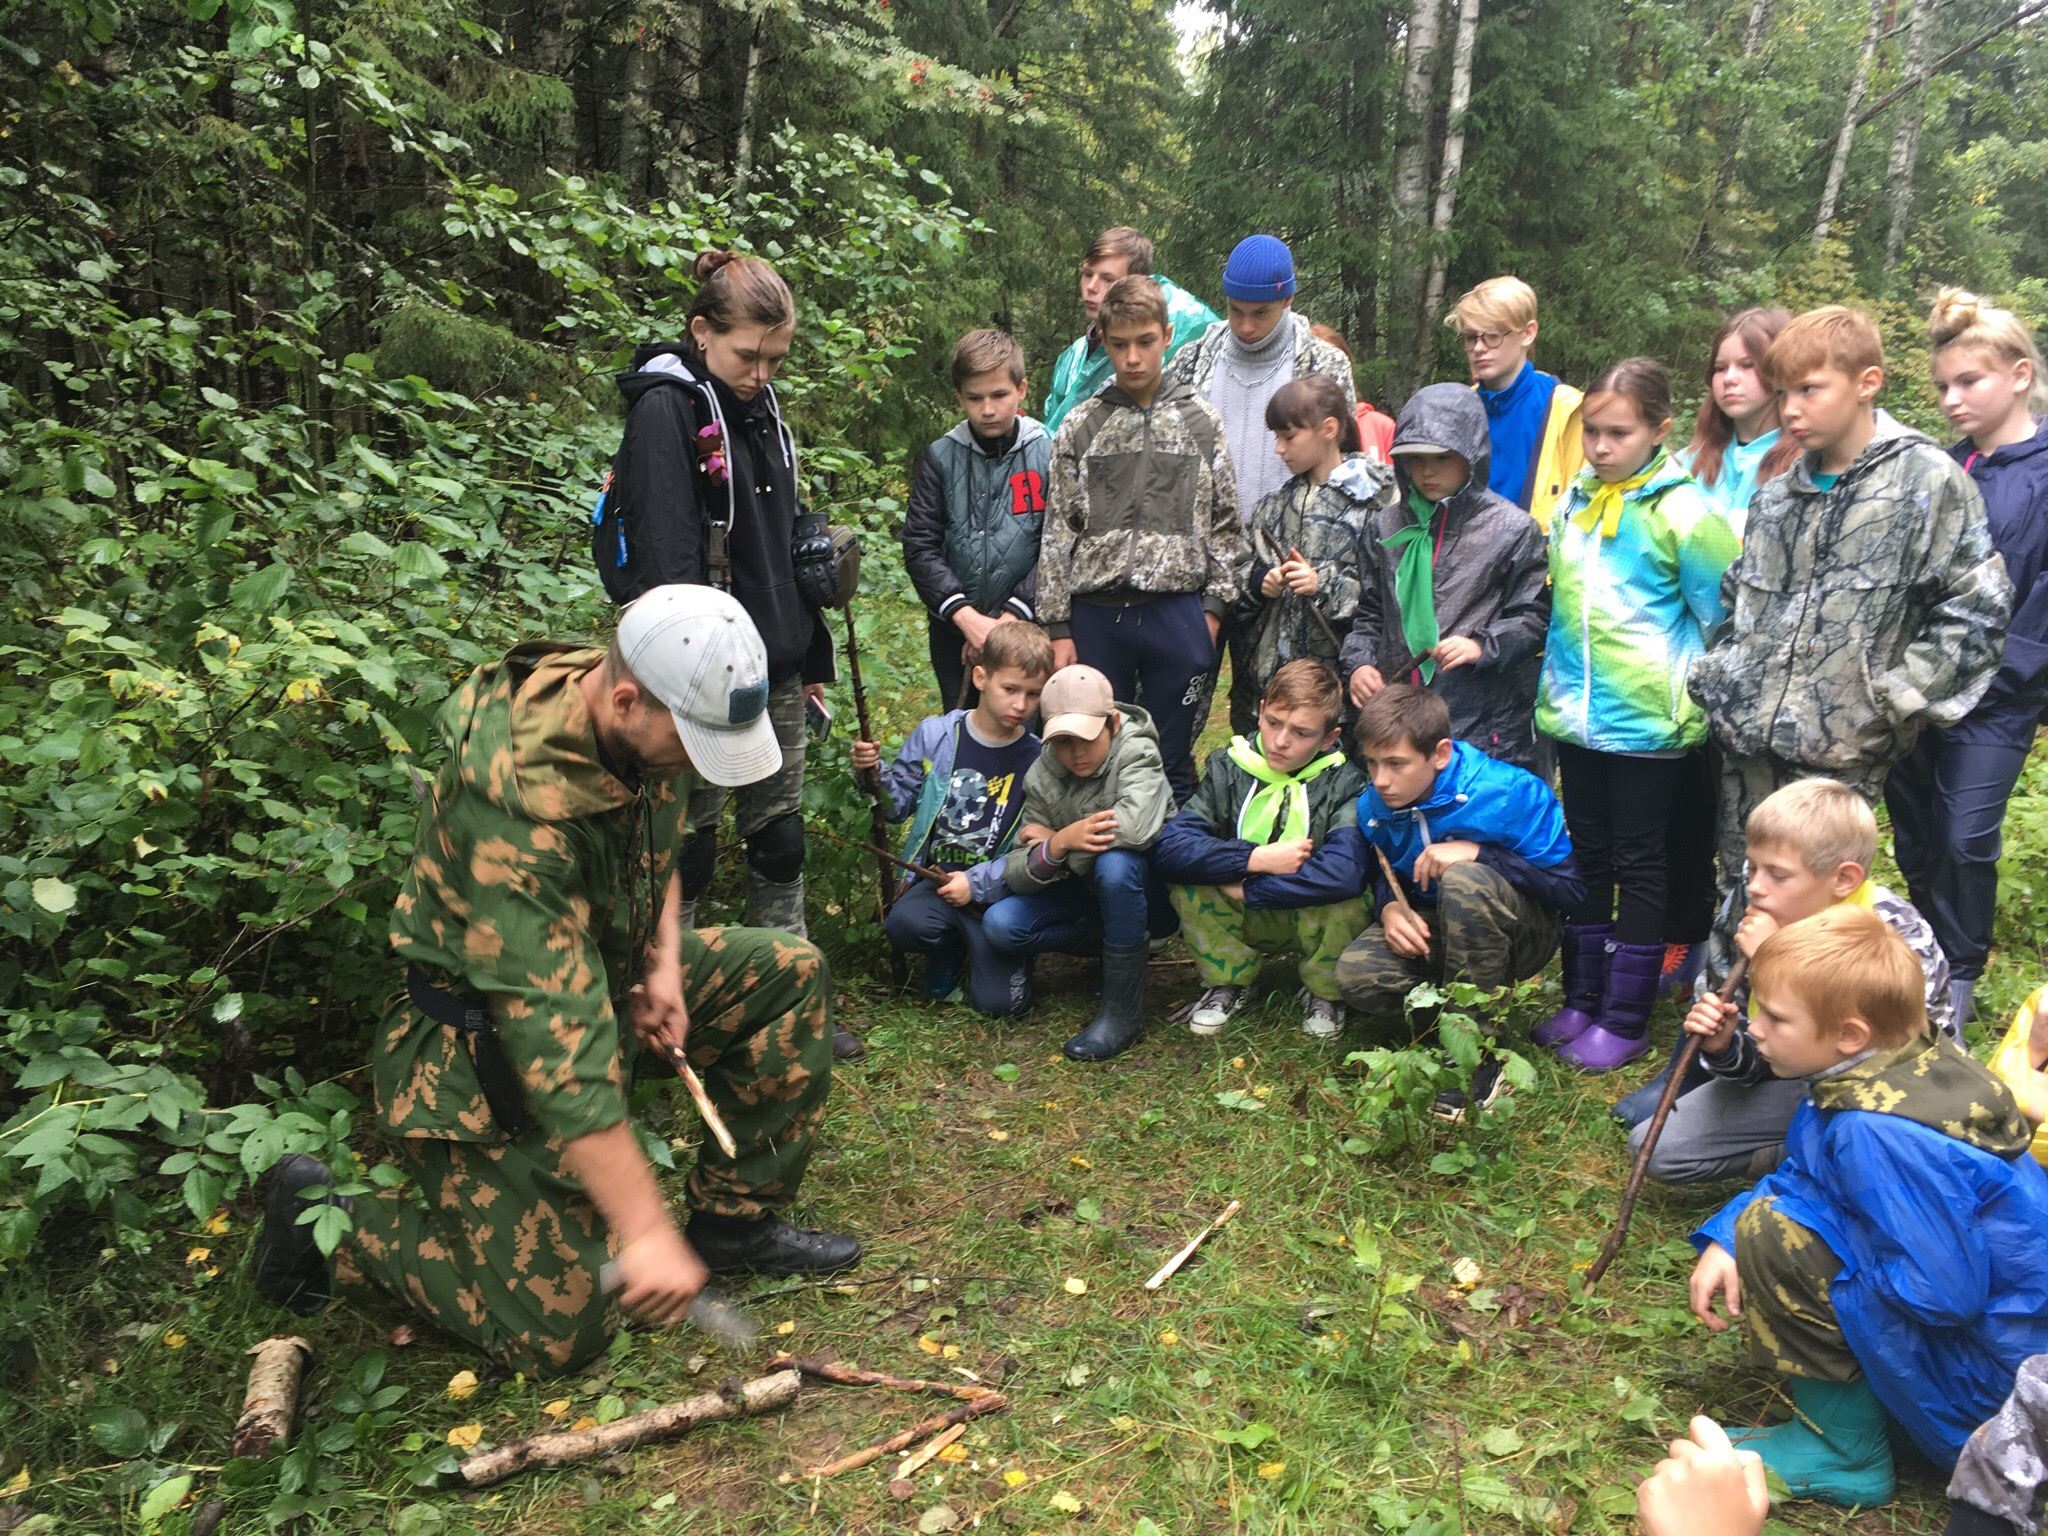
(1486, 339)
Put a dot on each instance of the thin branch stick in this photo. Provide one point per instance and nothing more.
(1165, 1272)
(924, 870)
(853, 1376)
(272, 1398)
(713, 1122)
(1393, 880)
(1634, 1187)
(568, 1447)
(982, 1403)
(923, 1456)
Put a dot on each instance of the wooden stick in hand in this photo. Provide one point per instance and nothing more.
(713, 1122)
(1393, 880)
(1687, 1050)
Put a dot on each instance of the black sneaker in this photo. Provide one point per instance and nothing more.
(769, 1246)
(291, 1271)
(1488, 1084)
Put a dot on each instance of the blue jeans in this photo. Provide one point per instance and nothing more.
(1947, 802)
(923, 923)
(1118, 903)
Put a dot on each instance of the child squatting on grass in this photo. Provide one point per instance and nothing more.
(959, 780)
(1482, 858)
(1081, 885)
(1891, 1265)
(1251, 867)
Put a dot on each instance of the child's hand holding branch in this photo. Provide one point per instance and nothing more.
(866, 756)
(1406, 930)
(1714, 1021)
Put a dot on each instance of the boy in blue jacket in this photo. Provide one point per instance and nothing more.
(1483, 860)
(959, 779)
(1892, 1263)
(1249, 863)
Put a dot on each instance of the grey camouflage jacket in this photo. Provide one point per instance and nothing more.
(1859, 613)
(1195, 363)
(1743, 1063)
(1141, 502)
(1325, 522)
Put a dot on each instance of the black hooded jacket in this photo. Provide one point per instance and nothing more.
(1491, 572)
(651, 526)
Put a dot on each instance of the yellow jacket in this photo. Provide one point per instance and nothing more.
(2028, 1086)
(1561, 455)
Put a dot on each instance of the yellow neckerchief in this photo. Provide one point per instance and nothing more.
(1279, 808)
(1605, 506)
(1865, 896)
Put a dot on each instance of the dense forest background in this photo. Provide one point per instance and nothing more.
(308, 317)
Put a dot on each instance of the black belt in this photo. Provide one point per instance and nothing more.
(468, 1014)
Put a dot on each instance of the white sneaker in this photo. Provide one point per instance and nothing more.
(1323, 1020)
(1213, 1010)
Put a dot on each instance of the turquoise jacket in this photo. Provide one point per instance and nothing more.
(1630, 615)
(1085, 367)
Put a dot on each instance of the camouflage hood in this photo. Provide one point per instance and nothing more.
(519, 733)
(1933, 1082)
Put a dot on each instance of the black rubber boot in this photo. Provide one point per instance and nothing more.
(1116, 1027)
(291, 1271)
(846, 1045)
(768, 1245)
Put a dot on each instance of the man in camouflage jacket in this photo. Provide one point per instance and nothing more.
(543, 883)
(1860, 612)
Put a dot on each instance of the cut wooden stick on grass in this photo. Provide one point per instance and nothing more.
(712, 1120)
(842, 1375)
(569, 1447)
(272, 1399)
(1680, 1065)
(1166, 1271)
(925, 1454)
(982, 1403)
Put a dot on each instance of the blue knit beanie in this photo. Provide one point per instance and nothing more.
(1259, 271)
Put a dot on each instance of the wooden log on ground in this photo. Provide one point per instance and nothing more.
(567, 1447)
(842, 1375)
(272, 1398)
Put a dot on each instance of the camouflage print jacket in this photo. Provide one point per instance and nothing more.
(1142, 503)
(1196, 363)
(530, 865)
(1860, 613)
(1741, 1062)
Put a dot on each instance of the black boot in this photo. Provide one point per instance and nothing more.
(291, 1271)
(846, 1045)
(768, 1245)
(1116, 1027)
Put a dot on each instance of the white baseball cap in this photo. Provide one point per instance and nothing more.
(696, 650)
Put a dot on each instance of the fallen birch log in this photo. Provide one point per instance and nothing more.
(567, 1447)
(272, 1398)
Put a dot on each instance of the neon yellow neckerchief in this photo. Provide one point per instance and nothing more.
(1278, 810)
(1605, 506)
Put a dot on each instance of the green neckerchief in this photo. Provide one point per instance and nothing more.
(1415, 583)
(1278, 809)
(1604, 505)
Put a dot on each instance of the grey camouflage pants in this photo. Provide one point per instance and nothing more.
(766, 815)
(1483, 931)
(2004, 1468)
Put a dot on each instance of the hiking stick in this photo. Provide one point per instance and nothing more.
(923, 870)
(1689, 1049)
(878, 819)
(712, 1122)
(1269, 552)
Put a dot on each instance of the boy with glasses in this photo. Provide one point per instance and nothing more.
(1532, 417)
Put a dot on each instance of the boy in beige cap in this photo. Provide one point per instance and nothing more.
(1093, 804)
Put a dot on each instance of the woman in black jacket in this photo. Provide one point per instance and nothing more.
(705, 489)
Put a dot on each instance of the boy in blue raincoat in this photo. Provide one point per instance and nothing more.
(1892, 1263)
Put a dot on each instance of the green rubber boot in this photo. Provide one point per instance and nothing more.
(1836, 1448)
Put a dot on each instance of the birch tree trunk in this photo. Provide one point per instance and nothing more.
(1906, 134)
(636, 106)
(743, 150)
(1410, 190)
(1831, 194)
(1447, 180)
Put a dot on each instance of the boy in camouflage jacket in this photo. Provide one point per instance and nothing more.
(535, 898)
(1867, 602)
(1141, 531)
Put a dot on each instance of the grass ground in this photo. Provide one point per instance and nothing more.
(1328, 1364)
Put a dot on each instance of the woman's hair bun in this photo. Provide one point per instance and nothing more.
(1955, 311)
(709, 262)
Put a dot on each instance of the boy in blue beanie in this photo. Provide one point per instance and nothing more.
(1238, 365)
(1482, 858)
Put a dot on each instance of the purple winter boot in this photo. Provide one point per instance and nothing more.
(1583, 959)
(1622, 1032)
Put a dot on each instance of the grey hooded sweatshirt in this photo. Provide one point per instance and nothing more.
(1490, 568)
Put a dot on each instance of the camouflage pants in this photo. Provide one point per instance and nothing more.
(1483, 931)
(1746, 782)
(2004, 1468)
(499, 1244)
(1228, 942)
(767, 817)
(1788, 1317)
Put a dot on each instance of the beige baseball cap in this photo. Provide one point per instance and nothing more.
(695, 649)
(1077, 701)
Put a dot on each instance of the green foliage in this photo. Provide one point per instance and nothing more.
(1397, 1084)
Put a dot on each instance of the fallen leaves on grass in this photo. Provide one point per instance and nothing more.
(1076, 1286)
(465, 1436)
(462, 1384)
(555, 1409)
